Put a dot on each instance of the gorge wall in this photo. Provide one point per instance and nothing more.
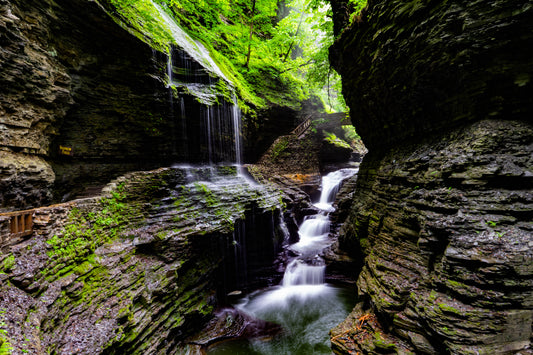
(441, 94)
(72, 77)
(84, 99)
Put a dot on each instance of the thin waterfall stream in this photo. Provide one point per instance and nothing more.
(303, 304)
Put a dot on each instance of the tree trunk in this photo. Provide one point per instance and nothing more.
(250, 38)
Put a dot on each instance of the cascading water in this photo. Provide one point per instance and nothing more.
(222, 125)
(330, 186)
(302, 304)
(237, 117)
(195, 49)
(192, 71)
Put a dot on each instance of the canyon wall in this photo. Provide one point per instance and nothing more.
(441, 94)
(78, 98)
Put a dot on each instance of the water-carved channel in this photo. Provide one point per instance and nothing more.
(303, 305)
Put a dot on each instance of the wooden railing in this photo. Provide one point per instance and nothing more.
(302, 127)
(20, 223)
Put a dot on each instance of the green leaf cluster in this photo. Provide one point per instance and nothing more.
(274, 51)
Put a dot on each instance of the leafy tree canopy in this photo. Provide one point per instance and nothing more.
(276, 50)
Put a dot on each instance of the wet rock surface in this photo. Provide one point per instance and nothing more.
(83, 95)
(139, 270)
(230, 323)
(76, 89)
(441, 217)
(411, 67)
(445, 232)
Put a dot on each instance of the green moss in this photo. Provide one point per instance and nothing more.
(210, 199)
(455, 284)
(83, 268)
(227, 170)
(278, 148)
(381, 344)
(432, 296)
(142, 18)
(85, 231)
(8, 263)
(364, 243)
(5, 345)
(448, 332)
(447, 308)
(331, 138)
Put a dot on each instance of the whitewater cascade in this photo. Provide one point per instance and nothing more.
(303, 304)
(308, 268)
(220, 139)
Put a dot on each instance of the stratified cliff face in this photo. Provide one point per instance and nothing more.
(414, 67)
(84, 99)
(138, 270)
(71, 77)
(441, 217)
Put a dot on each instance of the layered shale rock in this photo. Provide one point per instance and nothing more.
(85, 90)
(441, 217)
(138, 270)
(413, 67)
(445, 232)
(77, 89)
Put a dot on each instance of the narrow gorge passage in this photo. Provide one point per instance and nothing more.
(303, 305)
(162, 161)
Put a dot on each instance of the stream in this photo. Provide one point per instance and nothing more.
(303, 304)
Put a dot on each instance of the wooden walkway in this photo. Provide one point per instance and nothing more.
(302, 127)
(331, 119)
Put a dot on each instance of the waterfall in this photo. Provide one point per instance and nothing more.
(237, 117)
(300, 273)
(239, 250)
(194, 48)
(222, 134)
(184, 137)
(313, 233)
(303, 304)
(330, 186)
(169, 69)
(304, 275)
(218, 127)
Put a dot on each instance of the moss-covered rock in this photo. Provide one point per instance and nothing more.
(444, 230)
(140, 269)
(440, 92)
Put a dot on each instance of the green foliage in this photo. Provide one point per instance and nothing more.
(350, 133)
(5, 346)
(268, 59)
(492, 223)
(355, 7)
(333, 139)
